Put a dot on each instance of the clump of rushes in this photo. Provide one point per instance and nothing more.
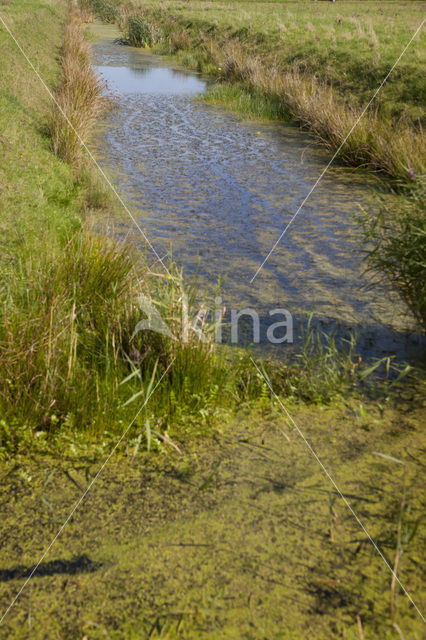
(79, 98)
(105, 10)
(395, 243)
(60, 331)
(137, 31)
(69, 337)
(380, 143)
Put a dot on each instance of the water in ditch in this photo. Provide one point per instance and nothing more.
(216, 192)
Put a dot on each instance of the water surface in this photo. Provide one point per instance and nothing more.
(150, 81)
(216, 192)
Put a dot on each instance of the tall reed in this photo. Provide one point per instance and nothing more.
(395, 248)
(79, 99)
(395, 148)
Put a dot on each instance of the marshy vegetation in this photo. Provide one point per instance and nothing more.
(71, 307)
(71, 300)
(300, 59)
(74, 372)
(280, 67)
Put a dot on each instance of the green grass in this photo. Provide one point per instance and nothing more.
(41, 201)
(349, 45)
(395, 244)
(249, 101)
(316, 65)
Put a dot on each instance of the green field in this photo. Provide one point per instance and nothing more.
(349, 45)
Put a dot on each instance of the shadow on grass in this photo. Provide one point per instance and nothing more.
(80, 564)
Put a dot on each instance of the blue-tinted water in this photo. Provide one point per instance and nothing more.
(216, 192)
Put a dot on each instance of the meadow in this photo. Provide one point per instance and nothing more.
(315, 63)
(348, 45)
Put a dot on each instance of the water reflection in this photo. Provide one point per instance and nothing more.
(157, 81)
(218, 192)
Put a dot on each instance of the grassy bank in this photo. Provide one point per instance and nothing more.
(316, 64)
(348, 45)
(71, 299)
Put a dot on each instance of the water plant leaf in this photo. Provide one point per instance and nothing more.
(387, 457)
(402, 374)
(210, 477)
(143, 392)
(367, 372)
(134, 373)
(148, 434)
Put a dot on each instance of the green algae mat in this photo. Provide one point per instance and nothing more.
(237, 536)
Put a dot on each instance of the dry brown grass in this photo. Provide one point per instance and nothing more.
(180, 40)
(79, 98)
(396, 148)
(380, 143)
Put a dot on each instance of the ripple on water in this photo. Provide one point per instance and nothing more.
(220, 191)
